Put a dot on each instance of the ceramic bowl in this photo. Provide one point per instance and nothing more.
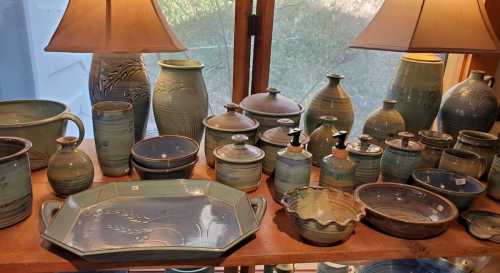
(324, 216)
(165, 152)
(184, 171)
(410, 265)
(405, 211)
(459, 189)
(484, 225)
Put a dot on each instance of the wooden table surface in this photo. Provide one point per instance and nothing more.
(276, 242)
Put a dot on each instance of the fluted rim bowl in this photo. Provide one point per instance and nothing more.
(445, 182)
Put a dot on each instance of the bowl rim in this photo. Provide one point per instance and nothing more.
(38, 121)
(149, 170)
(450, 204)
(468, 178)
(17, 140)
(145, 140)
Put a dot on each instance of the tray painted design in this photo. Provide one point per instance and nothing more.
(152, 220)
(411, 266)
(483, 225)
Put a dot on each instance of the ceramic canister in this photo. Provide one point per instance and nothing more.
(384, 123)
(463, 162)
(114, 136)
(434, 143)
(322, 140)
(400, 158)
(483, 144)
(239, 165)
(220, 128)
(494, 178)
(15, 180)
(367, 157)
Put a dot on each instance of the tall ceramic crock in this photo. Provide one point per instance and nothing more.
(220, 128)
(367, 157)
(384, 123)
(39, 121)
(418, 87)
(400, 158)
(331, 100)
(435, 143)
(180, 100)
(322, 140)
(469, 105)
(15, 181)
(483, 144)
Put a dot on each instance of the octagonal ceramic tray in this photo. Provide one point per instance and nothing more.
(152, 220)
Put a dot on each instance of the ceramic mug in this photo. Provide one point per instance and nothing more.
(463, 162)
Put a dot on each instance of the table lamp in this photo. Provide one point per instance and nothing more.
(116, 32)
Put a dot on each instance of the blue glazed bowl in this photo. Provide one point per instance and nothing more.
(413, 266)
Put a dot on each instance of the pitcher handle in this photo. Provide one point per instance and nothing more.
(490, 80)
(79, 124)
(259, 204)
(47, 212)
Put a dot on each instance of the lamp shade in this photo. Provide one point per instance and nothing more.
(114, 26)
(452, 26)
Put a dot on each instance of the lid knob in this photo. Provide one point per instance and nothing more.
(295, 134)
(231, 107)
(273, 91)
(285, 122)
(341, 136)
(389, 104)
(239, 141)
(365, 140)
(405, 138)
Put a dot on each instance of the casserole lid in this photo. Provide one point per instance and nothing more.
(364, 147)
(271, 102)
(231, 120)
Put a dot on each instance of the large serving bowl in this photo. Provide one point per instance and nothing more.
(323, 216)
(406, 211)
(184, 171)
(459, 189)
(39, 121)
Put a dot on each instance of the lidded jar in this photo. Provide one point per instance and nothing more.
(275, 139)
(384, 123)
(239, 165)
(401, 158)
(220, 128)
(435, 143)
(322, 140)
(367, 158)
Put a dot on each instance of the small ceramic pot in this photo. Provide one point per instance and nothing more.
(463, 162)
(367, 158)
(114, 136)
(494, 178)
(384, 123)
(434, 143)
(239, 165)
(400, 158)
(181, 172)
(15, 181)
(483, 144)
(220, 128)
(70, 170)
(322, 139)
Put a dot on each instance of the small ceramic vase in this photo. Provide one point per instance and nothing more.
(483, 144)
(494, 178)
(367, 158)
(400, 158)
(239, 165)
(463, 162)
(70, 170)
(434, 143)
(384, 123)
(331, 100)
(114, 136)
(322, 140)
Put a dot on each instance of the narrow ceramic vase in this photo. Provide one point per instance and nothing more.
(400, 158)
(384, 123)
(322, 140)
(494, 178)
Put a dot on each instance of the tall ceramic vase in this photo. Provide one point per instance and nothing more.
(331, 100)
(417, 86)
(180, 100)
(122, 77)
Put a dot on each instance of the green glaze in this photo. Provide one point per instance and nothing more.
(483, 144)
(417, 86)
(30, 118)
(15, 181)
(114, 136)
(463, 162)
(494, 178)
(367, 158)
(70, 170)
(321, 142)
(400, 158)
(384, 123)
(293, 170)
(434, 143)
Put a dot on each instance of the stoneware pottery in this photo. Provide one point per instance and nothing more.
(70, 170)
(204, 220)
(463, 162)
(209, 269)
(283, 268)
(323, 216)
(406, 211)
(484, 225)
(384, 123)
(180, 100)
(114, 136)
(15, 181)
(30, 118)
(122, 77)
(411, 266)
(220, 128)
(400, 158)
(494, 178)
(275, 139)
(483, 144)
(470, 104)
(322, 139)
(239, 165)
(165, 152)
(367, 158)
(331, 100)
(434, 143)
(328, 267)
(267, 108)
(418, 86)
(459, 189)
(183, 171)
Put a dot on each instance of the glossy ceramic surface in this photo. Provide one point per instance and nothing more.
(406, 211)
(293, 170)
(483, 144)
(322, 140)
(483, 225)
(338, 173)
(385, 122)
(411, 266)
(401, 157)
(459, 189)
(434, 143)
(122, 221)
(27, 118)
(494, 178)
(180, 172)
(463, 162)
(367, 158)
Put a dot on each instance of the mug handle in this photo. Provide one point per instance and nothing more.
(79, 124)
(259, 204)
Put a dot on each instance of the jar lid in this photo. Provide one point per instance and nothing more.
(239, 152)
(404, 143)
(231, 120)
(363, 147)
(271, 102)
(279, 135)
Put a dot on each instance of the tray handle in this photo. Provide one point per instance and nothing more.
(48, 210)
(259, 205)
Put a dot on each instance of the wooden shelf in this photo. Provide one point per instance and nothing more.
(276, 242)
